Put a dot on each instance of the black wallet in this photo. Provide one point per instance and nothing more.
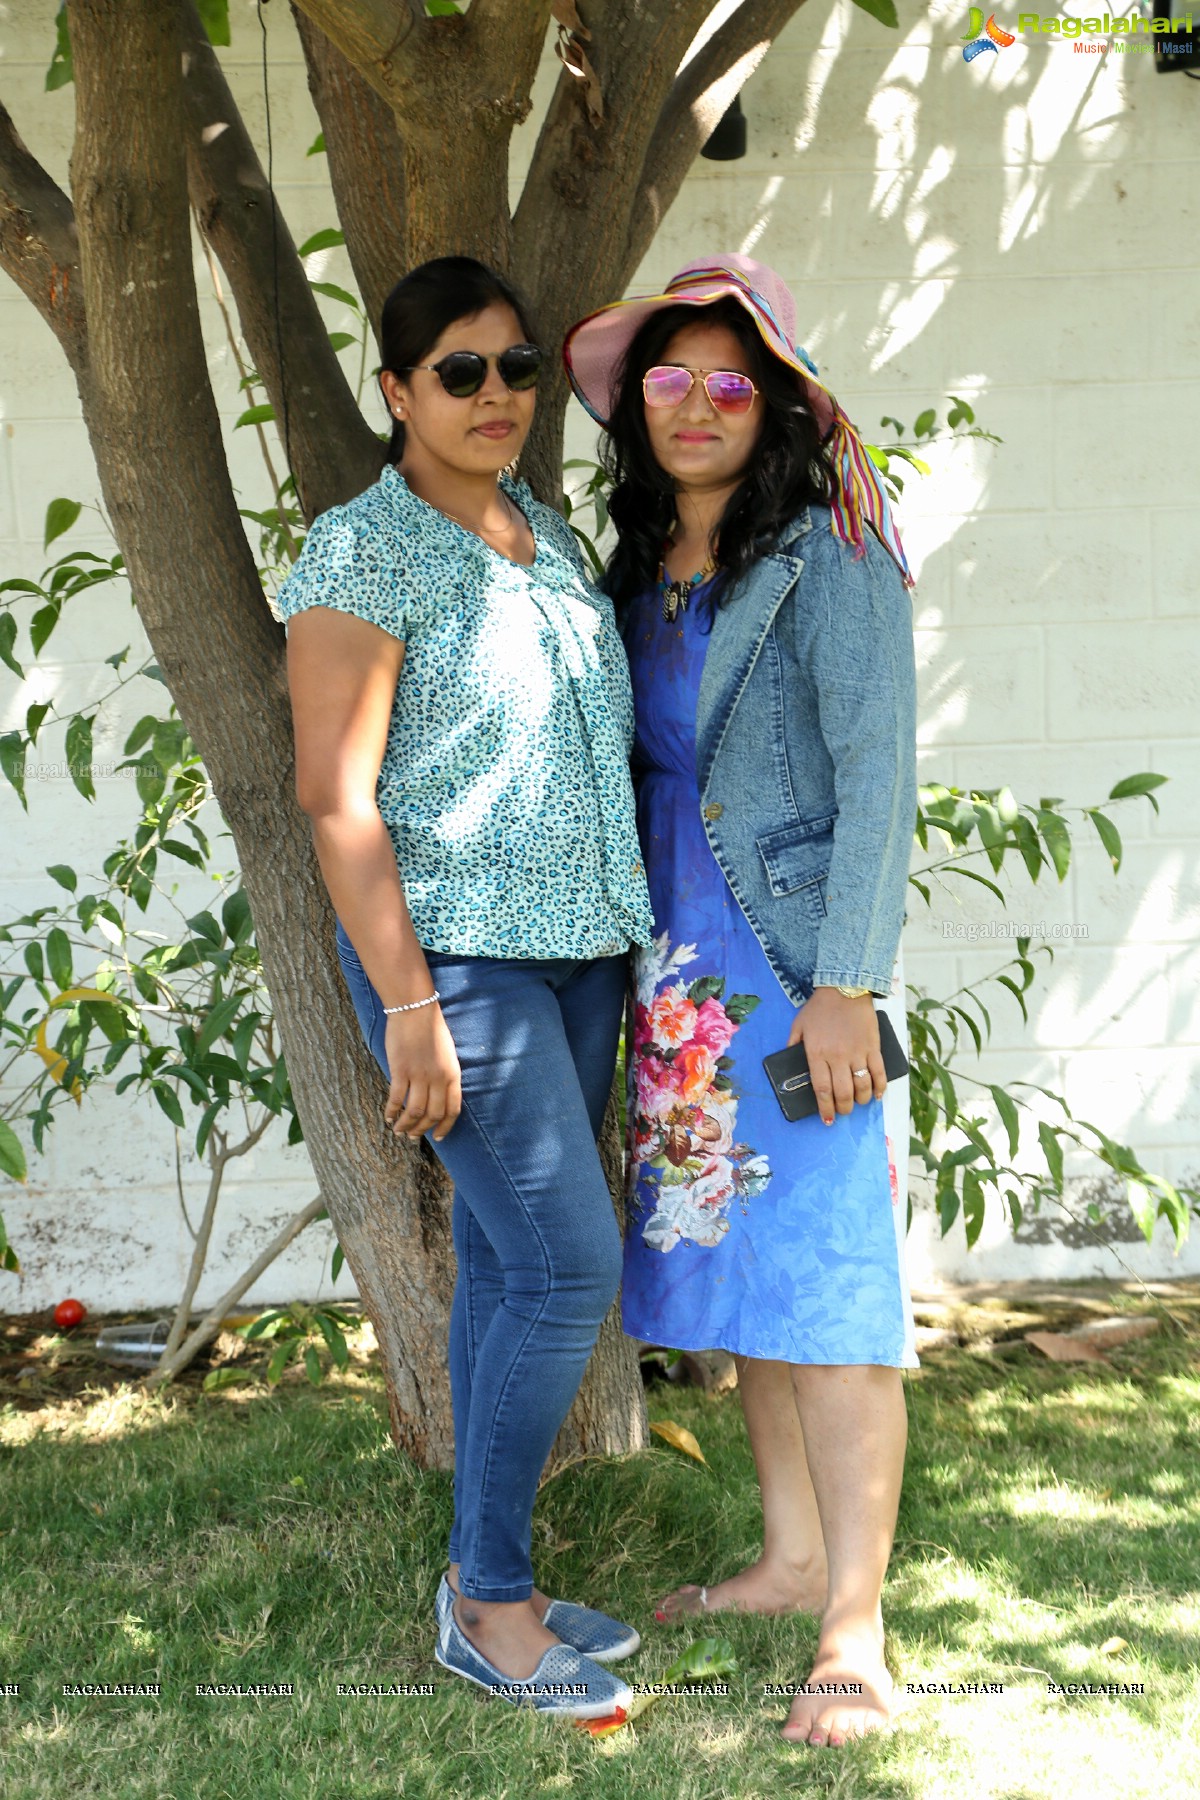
(787, 1070)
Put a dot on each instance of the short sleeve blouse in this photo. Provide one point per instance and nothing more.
(505, 780)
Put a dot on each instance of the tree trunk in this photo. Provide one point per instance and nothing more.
(154, 428)
(114, 282)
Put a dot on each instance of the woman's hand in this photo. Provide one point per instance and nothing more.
(840, 1036)
(426, 1088)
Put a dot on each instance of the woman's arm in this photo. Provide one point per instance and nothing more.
(342, 674)
(864, 673)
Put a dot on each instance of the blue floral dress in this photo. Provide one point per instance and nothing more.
(745, 1233)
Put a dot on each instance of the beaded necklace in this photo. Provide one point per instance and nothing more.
(676, 594)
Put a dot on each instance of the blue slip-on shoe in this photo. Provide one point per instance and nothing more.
(584, 1629)
(564, 1685)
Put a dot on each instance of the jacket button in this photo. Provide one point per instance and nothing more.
(714, 810)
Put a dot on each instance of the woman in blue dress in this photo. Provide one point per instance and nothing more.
(770, 644)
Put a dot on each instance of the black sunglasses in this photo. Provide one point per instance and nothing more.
(464, 372)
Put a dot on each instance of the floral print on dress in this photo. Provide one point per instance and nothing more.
(683, 1105)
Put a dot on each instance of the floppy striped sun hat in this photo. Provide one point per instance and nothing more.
(595, 349)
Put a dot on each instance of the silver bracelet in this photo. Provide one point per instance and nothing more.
(413, 1004)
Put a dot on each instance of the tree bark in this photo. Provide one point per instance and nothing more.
(330, 449)
(362, 144)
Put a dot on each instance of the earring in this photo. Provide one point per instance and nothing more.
(398, 412)
(510, 469)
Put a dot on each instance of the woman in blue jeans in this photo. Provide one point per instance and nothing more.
(463, 721)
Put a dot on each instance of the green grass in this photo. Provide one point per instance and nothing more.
(268, 1538)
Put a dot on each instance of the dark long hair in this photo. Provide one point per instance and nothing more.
(427, 300)
(787, 469)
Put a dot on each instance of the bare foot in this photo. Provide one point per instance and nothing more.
(849, 1691)
(508, 1633)
(762, 1587)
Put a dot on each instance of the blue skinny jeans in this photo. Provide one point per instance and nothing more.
(535, 1234)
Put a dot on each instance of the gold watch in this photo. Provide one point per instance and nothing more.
(853, 993)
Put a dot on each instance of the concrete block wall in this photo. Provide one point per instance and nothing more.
(1020, 231)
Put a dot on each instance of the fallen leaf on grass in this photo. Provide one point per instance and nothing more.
(679, 1437)
(1062, 1346)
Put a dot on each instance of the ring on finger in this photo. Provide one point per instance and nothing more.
(861, 1074)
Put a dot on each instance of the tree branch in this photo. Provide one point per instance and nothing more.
(39, 246)
(377, 37)
(366, 165)
(700, 95)
(332, 451)
(211, 1323)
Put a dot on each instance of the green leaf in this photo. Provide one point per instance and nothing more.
(1138, 784)
(1006, 1106)
(972, 1027)
(312, 1366)
(1052, 1150)
(219, 1018)
(317, 147)
(1008, 982)
(1110, 837)
(206, 927)
(341, 340)
(58, 956)
(218, 1379)
(235, 916)
(991, 831)
(168, 1099)
(972, 1206)
(214, 16)
(1028, 845)
(60, 516)
(255, 415)
(206, 1124)
(79, 754)
(321, 240)
(883, 10)
(707, 987)
(1141, 1205)
(8, 637)
(738, 1007)
(336, 1261)
(283, 1353)
(62, 65)
(442, 9)
(331, 291)
(242, 1037)
(974, 875)
(1056, 838)
(947, 1204)
(333, 1337)
(42, 624)
(12, 761)
(12, 1154)
(64, 875)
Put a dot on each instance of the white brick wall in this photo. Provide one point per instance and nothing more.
(1021, 231)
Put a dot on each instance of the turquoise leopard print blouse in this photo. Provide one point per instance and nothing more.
(505, 781)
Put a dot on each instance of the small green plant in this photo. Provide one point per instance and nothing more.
(314, 1333)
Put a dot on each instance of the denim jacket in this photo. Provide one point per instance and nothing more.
(806, 756)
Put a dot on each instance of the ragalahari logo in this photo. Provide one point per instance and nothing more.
(984, 37)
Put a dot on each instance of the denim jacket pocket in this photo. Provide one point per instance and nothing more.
(797, 859)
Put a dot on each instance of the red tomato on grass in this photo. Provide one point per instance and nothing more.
(69, 1313)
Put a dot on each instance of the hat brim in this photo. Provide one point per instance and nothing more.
(595, 348)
